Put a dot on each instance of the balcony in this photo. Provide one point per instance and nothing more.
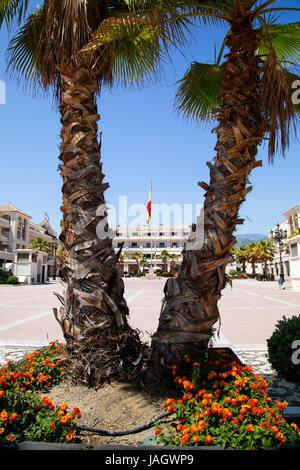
(4, 222)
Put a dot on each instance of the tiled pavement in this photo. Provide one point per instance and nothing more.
(249, 312)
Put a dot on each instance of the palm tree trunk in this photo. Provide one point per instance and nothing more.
(93, 316)
(189, 308)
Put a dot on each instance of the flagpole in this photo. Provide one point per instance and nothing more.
(151, 224)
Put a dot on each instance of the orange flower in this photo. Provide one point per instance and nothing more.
(2, 430)
(70, 435)
(2, 392)
(13, 416)
(157, 432)
(179, 427)
(195, 439)
(208, 439)
(4, 416)
(187, 358)
(63, 407)
(184, 439)
(250, 428)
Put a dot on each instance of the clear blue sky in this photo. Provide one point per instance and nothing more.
(143, 139)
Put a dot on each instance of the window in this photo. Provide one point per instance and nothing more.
(149, 234)
(148, 245)
(174, 245)
(133, 245)
(22, 256)
(161, 245)
(294, 250)
(34, 257)
(160, 234)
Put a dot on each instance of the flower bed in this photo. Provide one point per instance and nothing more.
(24, 416)
(224, 404)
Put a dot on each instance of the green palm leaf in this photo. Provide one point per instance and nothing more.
(12, 9)
(198, 95)
(284, 39)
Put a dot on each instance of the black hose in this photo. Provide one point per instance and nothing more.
(103, 432)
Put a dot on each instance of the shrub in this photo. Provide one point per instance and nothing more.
(24, 416)
(281, 353)
(225, 404)
(12, 280)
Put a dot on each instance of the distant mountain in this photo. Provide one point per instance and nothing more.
(245, 238)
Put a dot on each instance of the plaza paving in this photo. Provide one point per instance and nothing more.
(249, 312)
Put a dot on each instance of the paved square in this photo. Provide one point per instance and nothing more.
(249, 311)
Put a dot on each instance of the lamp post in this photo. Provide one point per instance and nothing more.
(54, 248)
(279, 235)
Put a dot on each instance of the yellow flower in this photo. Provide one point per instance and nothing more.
(70, 435)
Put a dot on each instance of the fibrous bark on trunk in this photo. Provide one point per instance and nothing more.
(93, 316)
(190, 309)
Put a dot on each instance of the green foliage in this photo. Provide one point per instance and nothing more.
(12, 280)
(7, 278)
(232, 272)
(281, 353)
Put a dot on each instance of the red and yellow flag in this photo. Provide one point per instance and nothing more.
(149, 205)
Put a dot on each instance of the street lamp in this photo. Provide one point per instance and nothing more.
(54, 247)
(279, 235)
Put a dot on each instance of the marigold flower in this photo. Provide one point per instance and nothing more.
(195, 439)
(250, 428)
(2, 393)
(2, 430)
(184, 439)
(157, 432)
(179, 427)
(63, 407)
(13, 416)
(4, 416)
(208, 439)
(70, 435)
(11, 438)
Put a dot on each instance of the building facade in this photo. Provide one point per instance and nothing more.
(151, 243)
(17, 233)
(292, 244)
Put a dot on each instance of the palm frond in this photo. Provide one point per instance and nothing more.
(277, 106)
(284, 39)
(11, 10)
(22, 49)
(198, 94)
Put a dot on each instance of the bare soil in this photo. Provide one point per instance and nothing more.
(114, 407)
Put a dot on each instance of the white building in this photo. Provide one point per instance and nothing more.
(17, 232)
(293, 241)
(151, 242)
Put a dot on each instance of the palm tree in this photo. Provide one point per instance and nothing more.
(144, 263)
(137, 256)
(266, 251)
(42, 245)
(173, 257)
(75, 48)
(164, 255)
(253, 254)
(250, 97)
(241, 256)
